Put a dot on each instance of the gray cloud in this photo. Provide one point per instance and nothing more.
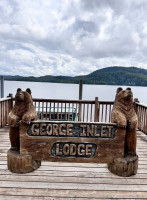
(71, 37)
(95, 5)
(87, 26)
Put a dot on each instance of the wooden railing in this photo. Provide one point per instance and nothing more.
(105, 108)
(142, 117)
(65, 110)
(5, 107)
(73, 110)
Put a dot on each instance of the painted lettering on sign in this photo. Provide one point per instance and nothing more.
(51, 129)
(69, 149)
(71, 141)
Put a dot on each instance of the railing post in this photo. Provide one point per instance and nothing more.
(96, 110)
(79, 112)
(136, 110)
(80, 89)
(135, 101)
(1, 114)
(80, 97)
(1, 86)
(11, 102)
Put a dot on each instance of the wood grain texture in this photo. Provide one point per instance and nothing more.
(20, 164)
(125, 167)
(71, 145)
(54, 180)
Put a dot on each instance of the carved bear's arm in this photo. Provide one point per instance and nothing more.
(119, 118)
(133, 122)
(13, 120)
(29, 116)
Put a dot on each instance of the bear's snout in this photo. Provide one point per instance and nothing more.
(128, 94)
(19, 96)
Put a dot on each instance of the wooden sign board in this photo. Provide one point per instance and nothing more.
(72, 141)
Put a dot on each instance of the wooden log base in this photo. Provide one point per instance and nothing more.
(124, 166)
(21, 164)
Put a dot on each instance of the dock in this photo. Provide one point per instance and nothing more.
(54, 180)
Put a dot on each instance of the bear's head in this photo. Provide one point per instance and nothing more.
(124, 95)
(23, 96)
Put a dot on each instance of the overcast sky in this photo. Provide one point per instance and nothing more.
(71, 37)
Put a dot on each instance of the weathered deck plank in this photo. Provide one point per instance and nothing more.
(72, 180)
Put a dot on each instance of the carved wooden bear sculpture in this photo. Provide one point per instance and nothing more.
(24, 111)
(124, 115)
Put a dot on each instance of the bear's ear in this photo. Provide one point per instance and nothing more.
(128, 88)
(119, 89)
(19, 90)
(28, 90)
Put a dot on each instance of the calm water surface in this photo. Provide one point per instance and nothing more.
(71, 91)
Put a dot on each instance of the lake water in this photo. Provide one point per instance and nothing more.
(71, 91)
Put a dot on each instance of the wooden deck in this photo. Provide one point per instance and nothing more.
(72, 180)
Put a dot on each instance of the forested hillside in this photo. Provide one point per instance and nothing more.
(107, 76)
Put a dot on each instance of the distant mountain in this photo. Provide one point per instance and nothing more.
(131, 76)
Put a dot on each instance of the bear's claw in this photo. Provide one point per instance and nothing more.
(121, 126)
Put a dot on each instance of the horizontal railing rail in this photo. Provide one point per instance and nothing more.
(73, 110)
